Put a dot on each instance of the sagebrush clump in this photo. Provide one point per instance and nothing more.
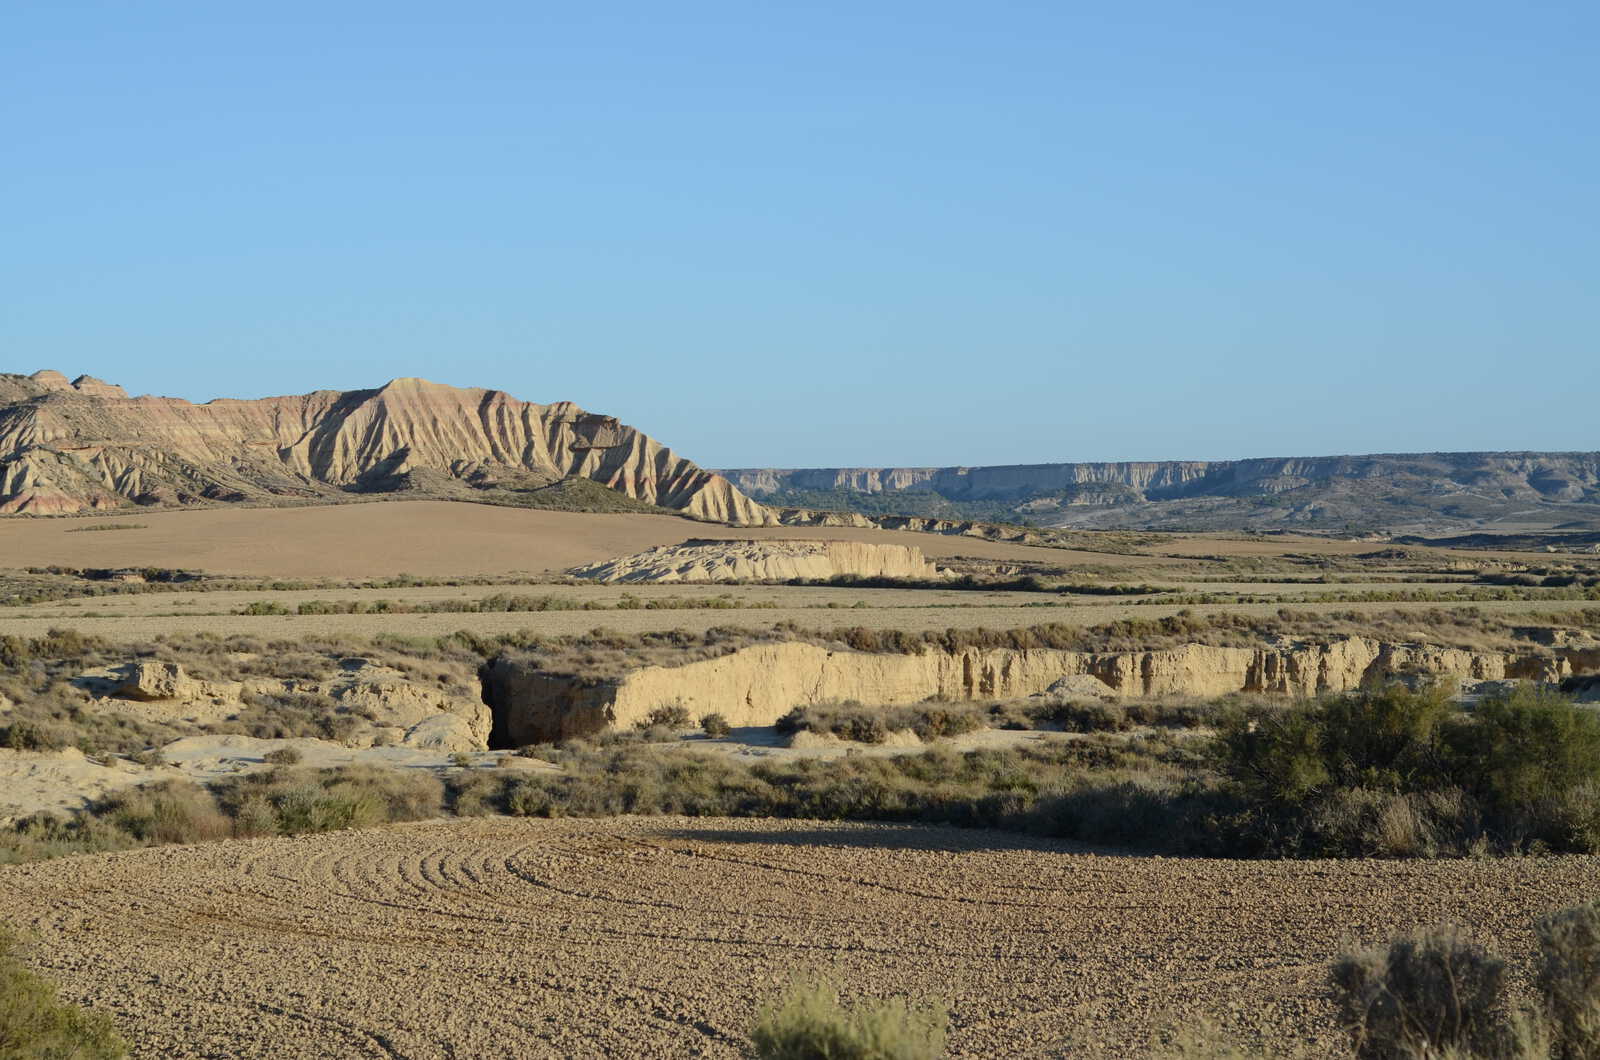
(1435, 993)
(811, 1023)
(36, 1024)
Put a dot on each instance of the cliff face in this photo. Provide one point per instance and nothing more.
(67, 447)
(1438, 489)
(758, 685)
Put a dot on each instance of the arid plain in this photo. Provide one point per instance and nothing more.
(661, 935)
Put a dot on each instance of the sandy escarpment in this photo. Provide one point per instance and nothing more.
(67, 447)
(759, 684)
(745, 561)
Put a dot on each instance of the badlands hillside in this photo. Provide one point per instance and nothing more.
(71, 446)
(1418, 492)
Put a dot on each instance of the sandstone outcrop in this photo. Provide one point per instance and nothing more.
(759, 684)
(384, 705)
(150, 682)
(763, 561)
(82, 445)
(425, 716)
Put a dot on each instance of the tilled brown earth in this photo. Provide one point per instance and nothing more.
(661, 936)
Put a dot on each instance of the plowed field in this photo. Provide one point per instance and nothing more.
(660, 937)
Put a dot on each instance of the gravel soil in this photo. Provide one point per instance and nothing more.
(662, 936)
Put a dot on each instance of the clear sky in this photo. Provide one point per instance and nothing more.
(821, 234)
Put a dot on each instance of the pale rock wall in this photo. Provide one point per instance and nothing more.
(759, 684)
(747, 561)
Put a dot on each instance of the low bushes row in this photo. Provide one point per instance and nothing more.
(1393, 772)
(1399, 772)
(1430, 995)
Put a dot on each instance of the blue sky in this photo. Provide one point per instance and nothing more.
(822, 234)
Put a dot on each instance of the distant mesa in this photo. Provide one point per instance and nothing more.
(764, 561)
(1399, 492)
(84, 445)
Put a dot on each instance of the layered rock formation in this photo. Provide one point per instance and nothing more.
(73, 446)
(763, 561)
(759, 684)
(1433, 490)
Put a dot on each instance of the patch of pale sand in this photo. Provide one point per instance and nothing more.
(425, 538)
(59, 781)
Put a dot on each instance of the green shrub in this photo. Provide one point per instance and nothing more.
(1430, 994)
(36, 1024)
(25, 735)
(1569, 980)
(715, 726)
(811, 1024)
(859, 724)
(151, 758)
(253, 817)
(1397, 772)
(294, 801)
(671, 716)
(1275, 757)
(1386, 740)
(311, 808)
(173, 811)
(283, 756)
(1533, 758)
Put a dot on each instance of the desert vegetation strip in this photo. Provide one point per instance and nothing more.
(138, 627)
(1393, 772)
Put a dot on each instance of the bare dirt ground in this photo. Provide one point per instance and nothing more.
(425, 538)
(971, 615)
(661, 937)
